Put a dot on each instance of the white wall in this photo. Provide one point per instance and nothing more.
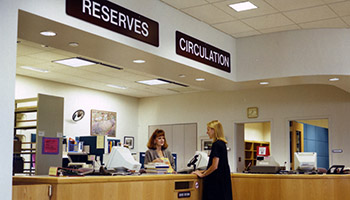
(294, 53)
(8, 33)
(277, 105)
(83, 98)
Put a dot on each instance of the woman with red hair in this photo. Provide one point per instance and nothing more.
(157, 149)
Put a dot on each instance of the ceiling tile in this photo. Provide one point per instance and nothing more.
(47, 56)
(23, 50)
(179, 4)
(268, 21)
(233, 27)
(333, 1)
(328, 23)
(208, 14)
(29, 61)
(280, 29)
(263, 9)
(342, 8)
(245, 34)
(346, 19)
(311, 14)
(213, 1)
(285, 5)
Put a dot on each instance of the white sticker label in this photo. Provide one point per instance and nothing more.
(41, 133)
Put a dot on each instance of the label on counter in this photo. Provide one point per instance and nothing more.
(186, 194)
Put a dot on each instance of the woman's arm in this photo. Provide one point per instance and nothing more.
(148, 157)
(214, 165)
(171, 159)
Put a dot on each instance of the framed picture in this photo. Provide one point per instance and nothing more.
(103, 123)
(129, 141)
(206, 144)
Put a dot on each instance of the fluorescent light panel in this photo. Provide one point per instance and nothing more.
(153, 82)
(139, 61)
(35, 69)
(333, 79)
(264, 83)
(243, 6)
(200, 79)
(75, 62)
(117, 86)
(48, 33)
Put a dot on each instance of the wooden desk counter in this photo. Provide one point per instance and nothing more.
(290, 187)
(162, 187)
(152, 187)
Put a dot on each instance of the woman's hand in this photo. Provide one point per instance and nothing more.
(157, 160)
(198, 173)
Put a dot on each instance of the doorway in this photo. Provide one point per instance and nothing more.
(250, 136)
(310, 136)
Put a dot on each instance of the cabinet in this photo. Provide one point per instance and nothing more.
(25, 125)
(250, 148)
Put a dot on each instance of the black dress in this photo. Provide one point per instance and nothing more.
(217, 185)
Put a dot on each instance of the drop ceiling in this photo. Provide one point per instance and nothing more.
(39, 51)
(270, 16)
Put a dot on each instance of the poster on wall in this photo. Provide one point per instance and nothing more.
(50, 145)
(103, 123)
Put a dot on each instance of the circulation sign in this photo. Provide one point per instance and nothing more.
(115, 18)
(197, 50)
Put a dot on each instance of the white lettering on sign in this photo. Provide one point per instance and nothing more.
(114, 17)
(201, 51)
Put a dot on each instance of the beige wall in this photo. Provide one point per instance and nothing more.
(257, 131)
(83, 98)
(277, 105)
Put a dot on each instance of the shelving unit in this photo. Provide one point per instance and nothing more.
(26, 120)
(38, 120)
(250, 148)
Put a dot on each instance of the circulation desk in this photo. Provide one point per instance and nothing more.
(144, 187)
(167, 187)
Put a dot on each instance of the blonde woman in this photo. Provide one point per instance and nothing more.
(216, 178)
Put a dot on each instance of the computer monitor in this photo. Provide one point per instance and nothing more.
(120, 159)
(305, 161)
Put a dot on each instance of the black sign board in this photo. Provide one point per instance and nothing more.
(115, 18)
(186, 194)
(194, 49)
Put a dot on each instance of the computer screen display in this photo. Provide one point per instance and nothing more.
(305, 161)
(121, 158)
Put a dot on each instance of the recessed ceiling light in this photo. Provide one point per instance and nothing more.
(334, 79)
(73, 44)
(200, 79)
(116, 86)
(243, 6)
(35, 69)
(153, 82)
(139, 61)
(48, 33)
(264, 83)
(182, 75)
(75, 62)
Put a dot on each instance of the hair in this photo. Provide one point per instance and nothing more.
(157, 133)
(218, 130)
